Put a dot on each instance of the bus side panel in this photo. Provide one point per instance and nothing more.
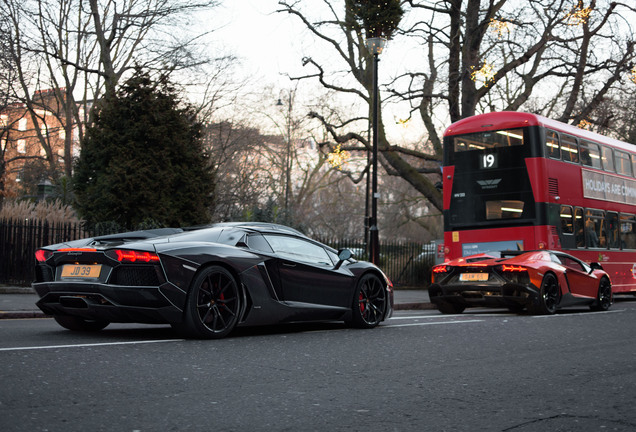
(619, 265)
(538, 179)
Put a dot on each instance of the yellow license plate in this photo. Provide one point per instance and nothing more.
(473, 277)
(81, 271)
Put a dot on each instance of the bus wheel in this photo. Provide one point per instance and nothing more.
(604, 296)
(549, 297)
(450, 308)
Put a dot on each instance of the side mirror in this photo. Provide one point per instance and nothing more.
(343, 255)
(596, 266)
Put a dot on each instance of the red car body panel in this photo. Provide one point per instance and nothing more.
(516, 280)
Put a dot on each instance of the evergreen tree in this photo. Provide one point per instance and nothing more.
(143, 160)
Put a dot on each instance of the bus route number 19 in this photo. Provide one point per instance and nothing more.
(489, 161)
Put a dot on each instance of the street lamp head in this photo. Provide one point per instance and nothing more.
(375, 45)
(279, 103)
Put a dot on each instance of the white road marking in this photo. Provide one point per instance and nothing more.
(564, 315)
(431, 323)
(408, 317)
(89, 345)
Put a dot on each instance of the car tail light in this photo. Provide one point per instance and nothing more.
(135, 256)
(439, 271)
(515, 273)
(42, 255)
(513, 268)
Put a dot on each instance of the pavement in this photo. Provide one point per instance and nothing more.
(19, 302)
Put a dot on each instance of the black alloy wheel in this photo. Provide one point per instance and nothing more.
(549, 297)
(604, 296)
(79, 324)
(370, 302)
(213, 305)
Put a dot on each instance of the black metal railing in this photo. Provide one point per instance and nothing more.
(407, 264)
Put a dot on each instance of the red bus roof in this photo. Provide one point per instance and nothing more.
(515, 119)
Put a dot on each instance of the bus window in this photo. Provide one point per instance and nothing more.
(593, 227)
(590, 154)
(608, 158)
(611, 228)
(567, 221)
(628, 231)
(569, 148)
(579, 227)
(488, 140)
(504, 209)
(552, 144)
(623, 163)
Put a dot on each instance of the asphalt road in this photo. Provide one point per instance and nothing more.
(420, 371)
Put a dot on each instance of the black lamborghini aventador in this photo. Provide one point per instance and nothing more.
(207, 281)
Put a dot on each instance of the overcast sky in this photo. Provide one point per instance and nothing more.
(271, 46)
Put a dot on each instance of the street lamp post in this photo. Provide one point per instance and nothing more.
(375, 46)
(288, 156)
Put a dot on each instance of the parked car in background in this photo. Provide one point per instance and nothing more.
(539, 281)
(206, 282)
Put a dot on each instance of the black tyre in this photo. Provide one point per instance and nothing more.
(549, 297)
(79, 324)
(604, 296)
(213, 305)
(370, 302)
(450, 308)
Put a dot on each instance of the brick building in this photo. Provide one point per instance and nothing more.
(22, 134)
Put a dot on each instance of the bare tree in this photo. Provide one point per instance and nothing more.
(241, 178)
(80, 49)
(560, 58)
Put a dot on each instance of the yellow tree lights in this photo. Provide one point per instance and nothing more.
(584, 124)
(499, 27)
(579, 15)
(633, 75)
(485, 74)
(338, 157)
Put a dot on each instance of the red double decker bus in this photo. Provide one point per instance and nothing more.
(519, 181)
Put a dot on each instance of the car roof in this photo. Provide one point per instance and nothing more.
(262, 227)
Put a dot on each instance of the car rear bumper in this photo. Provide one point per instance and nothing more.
(112, 303)
(488, 295)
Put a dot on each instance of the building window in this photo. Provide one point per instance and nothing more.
(22, 124)
(21, 146)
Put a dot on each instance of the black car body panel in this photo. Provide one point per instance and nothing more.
(154, 287)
